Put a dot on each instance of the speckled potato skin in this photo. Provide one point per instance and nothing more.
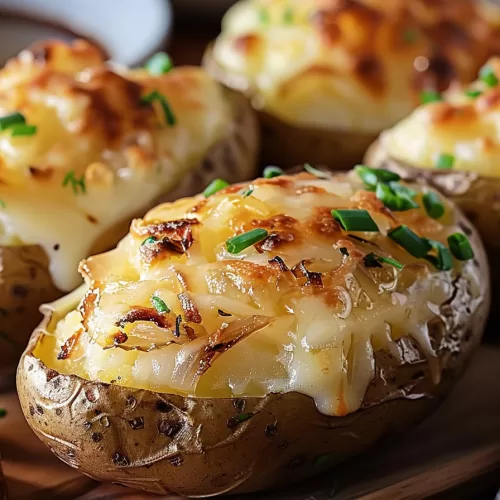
(286, 145)
(25, 281)
(200, 447)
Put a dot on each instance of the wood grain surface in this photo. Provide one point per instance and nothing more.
(458, 445)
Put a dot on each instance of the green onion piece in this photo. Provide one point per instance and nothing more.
(473, 94)
(315, 171)
(392, 262)
(443, 261)
(344, 251)
(401, 190)
(373, 260)
(433, 205)
(445, 161)
(264, 16)
(159, 304)
(288, 15)
(487, 75)
(149, 241)
(22, 129)
(270, 172)
(460, 246)
(411, 242)
(371, 176)
(355, 220)
(2, 204)
(159, 64)
(393, 201)
(12, 119)
(237, 244)
(167, 110)
(3, 412)
(215, 186)
(428, 96)
(247, 192)
(76, 184)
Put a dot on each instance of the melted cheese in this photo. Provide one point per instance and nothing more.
(461, 126)
(251, 324)
(91, 122)
(351, 65)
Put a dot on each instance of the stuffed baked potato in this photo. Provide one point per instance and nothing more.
(265, 331)
(328, 76)
(453, 145)
(86, 146)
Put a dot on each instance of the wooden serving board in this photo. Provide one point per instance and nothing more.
(458, 444)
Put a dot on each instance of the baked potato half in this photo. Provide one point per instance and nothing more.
(328, 77)
(85, 146)
(452, 144)
(258, 333)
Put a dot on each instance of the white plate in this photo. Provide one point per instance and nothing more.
(129, 30)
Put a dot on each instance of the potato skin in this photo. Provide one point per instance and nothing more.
(25, 281)
(201, 447)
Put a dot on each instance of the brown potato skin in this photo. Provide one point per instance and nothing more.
(25, 281)
(285, 145)
(196, 447)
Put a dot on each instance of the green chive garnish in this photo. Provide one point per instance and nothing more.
(167, 110)
(159, 64)
(264, 16)
(443, 261)
(373, 260)
(427, 96)
(473, 94)
(355, 220)
(159, 304)
(401, 190)
(392, 262)
(393, 201)
(411, 242)
(22, 129)
(371, 176)
(237, 244)
(247, 192)
(3, 412)
(460, 246)
(433, 205)
(315, 171)
(445, 161)
(487, 75)
(149, 241)
(2, 204)
(8, 121)
(288, 15)
(214, 186)
(270, 172)
(77, 184)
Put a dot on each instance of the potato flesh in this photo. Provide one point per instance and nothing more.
(318, 341)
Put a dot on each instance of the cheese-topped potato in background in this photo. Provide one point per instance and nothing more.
(294, 317)
(84, 147)
(453, 143)
(328, 75)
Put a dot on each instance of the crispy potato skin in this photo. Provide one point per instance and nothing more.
(25, 281)
(207, 446)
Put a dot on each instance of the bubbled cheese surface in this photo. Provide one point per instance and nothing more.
(299, 311)
(350, 64)
(91, 123)
(468, 128)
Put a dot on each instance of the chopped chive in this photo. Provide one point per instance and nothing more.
(159, 64)
(23, 130)
(247, 192)
(288, 15)
(3, 412)
(2, 204)
(487, 75)
(76, 183)
(393, 201)
(373, 260)
(167, 110)
(460, 246)
(159, 304)
(264, 16)
(473, 94)
(392, 262)
(411, 242)
(443, 261)
(410, 36)
(401, 190)
(445, 161)
(371, 176)
(433, 205)
(355, 220)
(8, 121)
(237, 244)
(215, 186)
(344, 251)
(315, 171)
(270, 172)
(149, 241)
(428, 96)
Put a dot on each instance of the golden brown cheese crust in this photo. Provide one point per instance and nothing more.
(309, 61)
